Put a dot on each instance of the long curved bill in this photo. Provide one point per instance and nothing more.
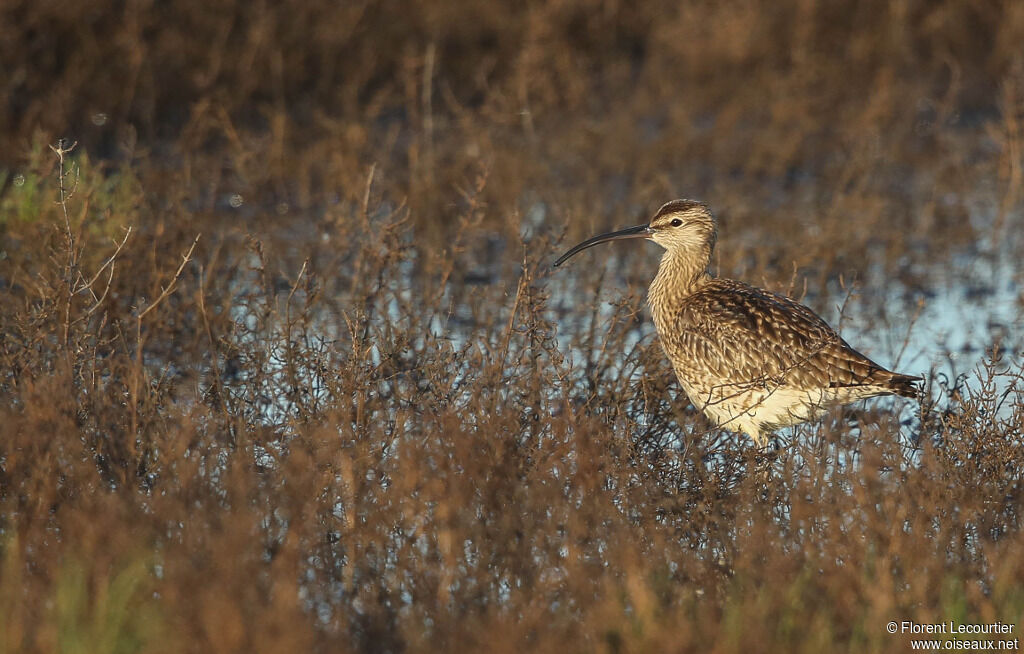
(640, 231)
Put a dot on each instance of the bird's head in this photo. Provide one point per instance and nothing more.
(683, 226)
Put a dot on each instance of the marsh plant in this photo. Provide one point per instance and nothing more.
(284, 365)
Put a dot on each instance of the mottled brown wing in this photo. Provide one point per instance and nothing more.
(744, 334)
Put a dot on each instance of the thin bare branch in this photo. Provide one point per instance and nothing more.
(174, 280)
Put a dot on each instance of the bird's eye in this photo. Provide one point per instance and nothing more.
(676, 222)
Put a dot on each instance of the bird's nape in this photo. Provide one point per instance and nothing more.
(639, 231)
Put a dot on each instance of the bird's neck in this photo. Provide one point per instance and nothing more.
(679, 275)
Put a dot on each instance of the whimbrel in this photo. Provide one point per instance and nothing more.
(751, 360)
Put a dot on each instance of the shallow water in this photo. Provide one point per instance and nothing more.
(970, 310)
(961, 308)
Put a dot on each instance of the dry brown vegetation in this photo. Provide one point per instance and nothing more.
(360, 413)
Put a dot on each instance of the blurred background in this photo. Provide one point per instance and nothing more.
(285, 366)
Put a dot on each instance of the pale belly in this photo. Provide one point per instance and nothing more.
(753, 408)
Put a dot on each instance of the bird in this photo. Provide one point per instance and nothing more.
(751, 360)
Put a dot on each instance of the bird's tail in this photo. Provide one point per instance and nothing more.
(904, 385)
